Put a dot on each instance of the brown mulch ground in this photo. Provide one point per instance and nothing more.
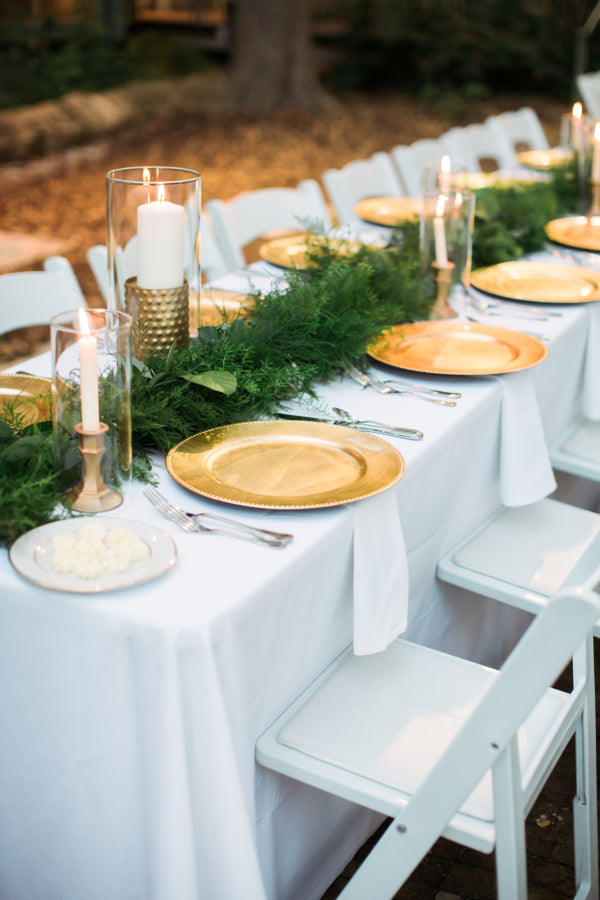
(66, 199)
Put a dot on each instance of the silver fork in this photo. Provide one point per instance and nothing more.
(371, 381)
(493, 308)
(199, 522)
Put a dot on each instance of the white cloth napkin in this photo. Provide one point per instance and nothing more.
(380, 573)
(248, 282)
(525, 471)
(591, 370)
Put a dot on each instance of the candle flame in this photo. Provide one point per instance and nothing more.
(83, 321)
(161, 193)
(577, 110)
(445, 163)
(597, 131)
(146, 176)
(439, 209)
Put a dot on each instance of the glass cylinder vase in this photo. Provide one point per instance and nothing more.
(446, 241)
(91, 375)
(153, 243)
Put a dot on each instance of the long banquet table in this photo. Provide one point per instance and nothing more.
(129, 718)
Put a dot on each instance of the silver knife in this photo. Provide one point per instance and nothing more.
(397, 431)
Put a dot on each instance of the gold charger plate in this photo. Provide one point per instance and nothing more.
(576, 232)
(389, 210)
(540, 282)
(553, 158)
(28, 395)
(457, 348)
(285, 465)
(290, 252)
(217, 306)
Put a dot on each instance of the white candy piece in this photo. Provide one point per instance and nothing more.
(93, 550)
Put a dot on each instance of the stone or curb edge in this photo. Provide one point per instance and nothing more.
(44, 128)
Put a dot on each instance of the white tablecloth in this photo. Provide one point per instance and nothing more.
(128, 719)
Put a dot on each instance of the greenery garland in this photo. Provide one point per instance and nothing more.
(297, 336)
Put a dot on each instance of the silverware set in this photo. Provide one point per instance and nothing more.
(392, 386)
(500, 307)
(211, 523)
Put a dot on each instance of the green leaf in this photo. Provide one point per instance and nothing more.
(21, 449)
(218, 380)
(6, 433)
(141, 367)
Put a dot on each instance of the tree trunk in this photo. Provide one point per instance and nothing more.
(272, 56)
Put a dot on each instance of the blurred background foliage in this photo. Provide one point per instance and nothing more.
(462, 49)
(446, 51)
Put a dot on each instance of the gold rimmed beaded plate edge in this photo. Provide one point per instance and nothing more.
(389, 210)
(457, 348)
(538, 282)
(293, 251)
(575, 232)
(274, 464)
(28, 395)
(31, 556)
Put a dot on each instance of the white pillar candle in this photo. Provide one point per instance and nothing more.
(439, 233)
(445, 175)
(88, 351)
(576, 126)
(596, 156)
(160, 243)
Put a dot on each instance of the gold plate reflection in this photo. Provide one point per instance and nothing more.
(457, 348)
(389, 210)
(474, 181)
(285, 465)
(217, 306)
(29, 397)
(553, 158)
(540, 282)
(577, 232)
(291, 252)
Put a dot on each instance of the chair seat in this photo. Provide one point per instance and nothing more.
(522, 555)
(578, 450)
(388, 718)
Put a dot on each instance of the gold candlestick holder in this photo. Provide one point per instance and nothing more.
(92, 494)
(160, 317)
(442, 275)
(595, 207)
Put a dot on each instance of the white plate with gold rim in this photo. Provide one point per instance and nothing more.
(31, 556)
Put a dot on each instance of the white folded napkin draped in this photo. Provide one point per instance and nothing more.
(525, 471)
(248, 281)
(380, 573)
(591, 370)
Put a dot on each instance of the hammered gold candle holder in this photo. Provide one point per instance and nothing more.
(442, 276)
(92, 495)
(160, 317)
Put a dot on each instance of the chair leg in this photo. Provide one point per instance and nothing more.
(585, 809)
(509, 815)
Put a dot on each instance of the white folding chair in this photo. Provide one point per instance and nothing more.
(419, 160)
(483, 141)
(253, 214)
(588, 85)
(523, 129)
(449, 747)
(522, 555)
(359, 179)
(32, 298)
